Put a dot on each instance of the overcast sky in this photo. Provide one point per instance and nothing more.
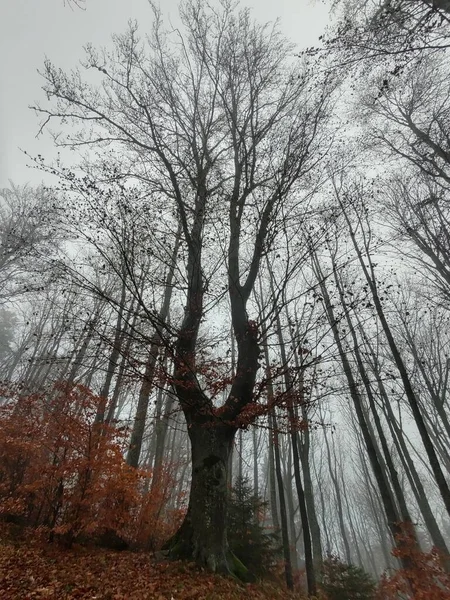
(30, 30)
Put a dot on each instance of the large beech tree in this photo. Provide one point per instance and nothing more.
(220, 119)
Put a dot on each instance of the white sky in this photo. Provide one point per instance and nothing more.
(31, 30)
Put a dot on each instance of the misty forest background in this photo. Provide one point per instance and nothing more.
(344, 449)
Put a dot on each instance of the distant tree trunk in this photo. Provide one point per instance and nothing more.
(293, 418)
(307, 544)
(376, 505)
(340, 511)
(405, 457)
(38, 335)
(290, 506)
(345, 496)
(112, 408)
(387, 457)
(114, 355)
(255, 464)
(272, 486)
(275, 447)
(386, 494)
(137, 432)
(303, 443)
(323, 512)
(281, 496)
(438, 401)
(160, 436)
(158, 424)
(79, 352)
(369, 275)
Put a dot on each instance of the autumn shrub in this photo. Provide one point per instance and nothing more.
(341, 581)
(65, 473)
(159, 512)
(425, 579)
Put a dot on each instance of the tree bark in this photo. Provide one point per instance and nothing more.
(203, 536)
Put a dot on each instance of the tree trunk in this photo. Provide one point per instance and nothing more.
(113, 357)
(255, 464)
(339, 506)
(291, 510)
(322, 507)
(293, 417)
(383, 485)
(203, 536)
(140, 417)
(406, 460)
(369, 273)
(272, 487)
(283, 514)
(384, 459)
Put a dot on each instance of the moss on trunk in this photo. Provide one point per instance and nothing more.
(202, 536)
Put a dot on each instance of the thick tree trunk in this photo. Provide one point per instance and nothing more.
(203, 536)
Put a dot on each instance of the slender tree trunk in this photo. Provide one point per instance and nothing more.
(272, 487)
(340, 511)
(278, 475)
(255, 464)
(323, 512)
(375, 503)
(137, 432)
(293, 417)
(303, 443)
(386, 458)
(113, 357)
(160, 435)
(410, 394)
(385, 492)
(408, 463)
(350, 519)
(290, 509)
(80, 354)
(281, 496)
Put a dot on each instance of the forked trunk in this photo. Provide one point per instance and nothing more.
(203, 537)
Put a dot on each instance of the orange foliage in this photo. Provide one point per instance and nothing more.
(426, 579)
(64, 473)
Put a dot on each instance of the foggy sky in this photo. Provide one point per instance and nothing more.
(31, 30)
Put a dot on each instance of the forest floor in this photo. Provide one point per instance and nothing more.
(32, 569)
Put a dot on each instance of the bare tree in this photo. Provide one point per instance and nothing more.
(27, 238)
(225, 124)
